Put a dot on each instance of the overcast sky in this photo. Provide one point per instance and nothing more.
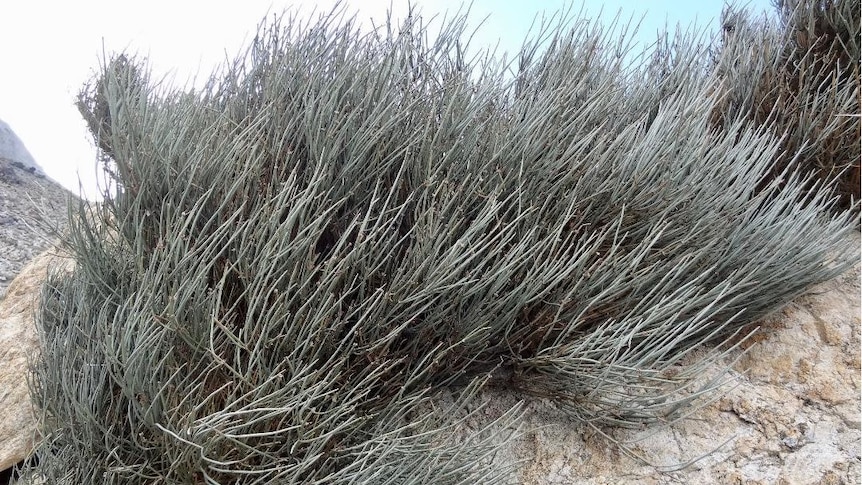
(48, 50)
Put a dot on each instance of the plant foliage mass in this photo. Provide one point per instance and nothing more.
(299, 262)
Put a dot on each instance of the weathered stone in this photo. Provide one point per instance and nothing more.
(18, 344)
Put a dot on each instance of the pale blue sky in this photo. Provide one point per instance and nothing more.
(49, 49)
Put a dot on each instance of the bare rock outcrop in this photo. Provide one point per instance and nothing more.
(19, 343)
(32, 212)
(12, 148)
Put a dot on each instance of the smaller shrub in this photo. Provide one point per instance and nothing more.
(800, 77)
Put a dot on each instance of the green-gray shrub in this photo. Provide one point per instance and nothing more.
(799, 77)
(297, 261)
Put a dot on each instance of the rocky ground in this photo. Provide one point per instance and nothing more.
(32, 209)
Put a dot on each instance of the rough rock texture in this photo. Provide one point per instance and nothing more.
(18, 344)
(32, 207)
(790, 416)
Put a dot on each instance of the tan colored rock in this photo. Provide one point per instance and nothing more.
(19, 343)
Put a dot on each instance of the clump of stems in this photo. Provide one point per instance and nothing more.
(296, 262)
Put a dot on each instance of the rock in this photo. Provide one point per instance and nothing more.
(13, 150)
(19, 343)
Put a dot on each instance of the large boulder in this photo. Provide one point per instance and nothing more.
(19, 343)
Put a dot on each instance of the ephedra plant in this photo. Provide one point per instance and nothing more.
(295, 262)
